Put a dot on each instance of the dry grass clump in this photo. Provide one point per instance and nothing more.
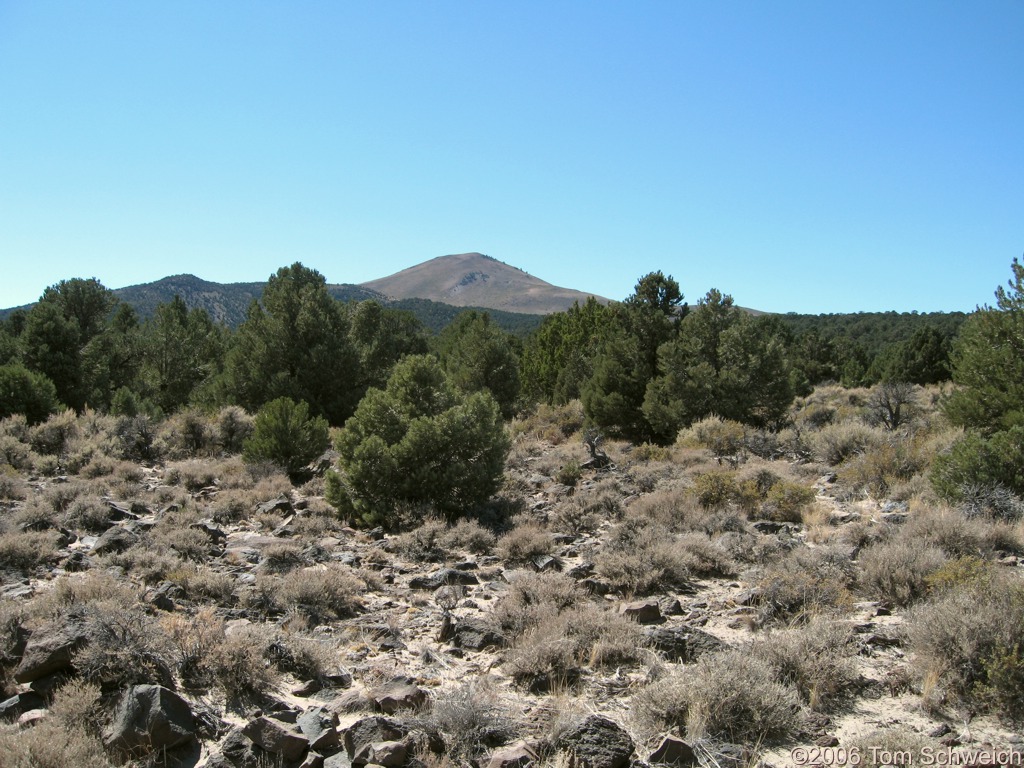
(551, 423)
(320, 593)
(423, 543)
(816, 660)
(238, 663)
(725, 439)
(804, 583)
(898, 571)
(124, 647)
(552, 653)
(531, 598)
(705, 556)
(523, 543)
(474, 718)
(641, 557)
(24, 551)
(835, 443)
(880, 469)
(730, 696)
(967, 645)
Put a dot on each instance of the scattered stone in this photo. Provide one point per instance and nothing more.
(476, 635)
(542, 563)
(368, 731)
(313, 760)
(320, 727)
(50, 649)
(390, 754)
(150, 718)
(581, 570)
(32, 717)
(20, 703)
(826, 740)
(116, 539)
(673, 751)
(216, 535)
(518, 755)
(400, 693)
(642, 611)
(442, 578)
(275, 736)
(684, 643)
(597, 742)
(276, 505)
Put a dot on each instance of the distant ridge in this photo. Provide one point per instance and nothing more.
(473, 279)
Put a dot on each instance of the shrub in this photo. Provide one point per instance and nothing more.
(523, 543)
(641, 558)
(552, 653)
(898, 571)
(26, 392)
(238, 663)
(469, 535)
(234, 426)
(880, 467)
(125, 647)
(474, 718)
(804, 583)
(968, 645)
(52, 437)
(284, 433)
(724, 438)
(715, 489)
(703, 556)
(786, 501)
(319, 593)
(816, 660)
(729, 696)
(23, 551)
(532, 597)
(418, 441)
(836, 443)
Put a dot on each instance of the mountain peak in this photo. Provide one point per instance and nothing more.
(477, 280)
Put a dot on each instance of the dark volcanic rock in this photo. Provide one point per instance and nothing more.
(150, 718)
(371, 730)
(444, 578)
(684, 643)
(276, 736)
(50, 649)
(597, 742)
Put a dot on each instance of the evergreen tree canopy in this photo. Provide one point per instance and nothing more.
(419, 441)
(478, 356)
(295, 345)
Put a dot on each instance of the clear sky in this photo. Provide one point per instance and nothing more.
(802, 156)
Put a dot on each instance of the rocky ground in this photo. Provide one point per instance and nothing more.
(197, 612)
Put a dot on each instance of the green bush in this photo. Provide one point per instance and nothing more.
(285, 434)
(977, 461)
(26, 392)
(419, 442)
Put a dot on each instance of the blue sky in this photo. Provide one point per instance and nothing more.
(802, 156)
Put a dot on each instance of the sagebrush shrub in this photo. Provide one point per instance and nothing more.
(898, 571)
(729, 696)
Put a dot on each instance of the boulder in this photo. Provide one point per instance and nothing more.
(475, 635)
(597, 742)
(518, 755)
(684, 643)
(320, 727)
(50, 649)
(150, 718)
(390, 754)
(277, 737)
(400, 693)
(673, 751)
(444, 578)
(116, 539)
(370, 730)
(642, 611)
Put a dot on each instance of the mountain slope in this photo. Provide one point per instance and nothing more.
(475, 280)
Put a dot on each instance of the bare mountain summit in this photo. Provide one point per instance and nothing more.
(475, 280)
